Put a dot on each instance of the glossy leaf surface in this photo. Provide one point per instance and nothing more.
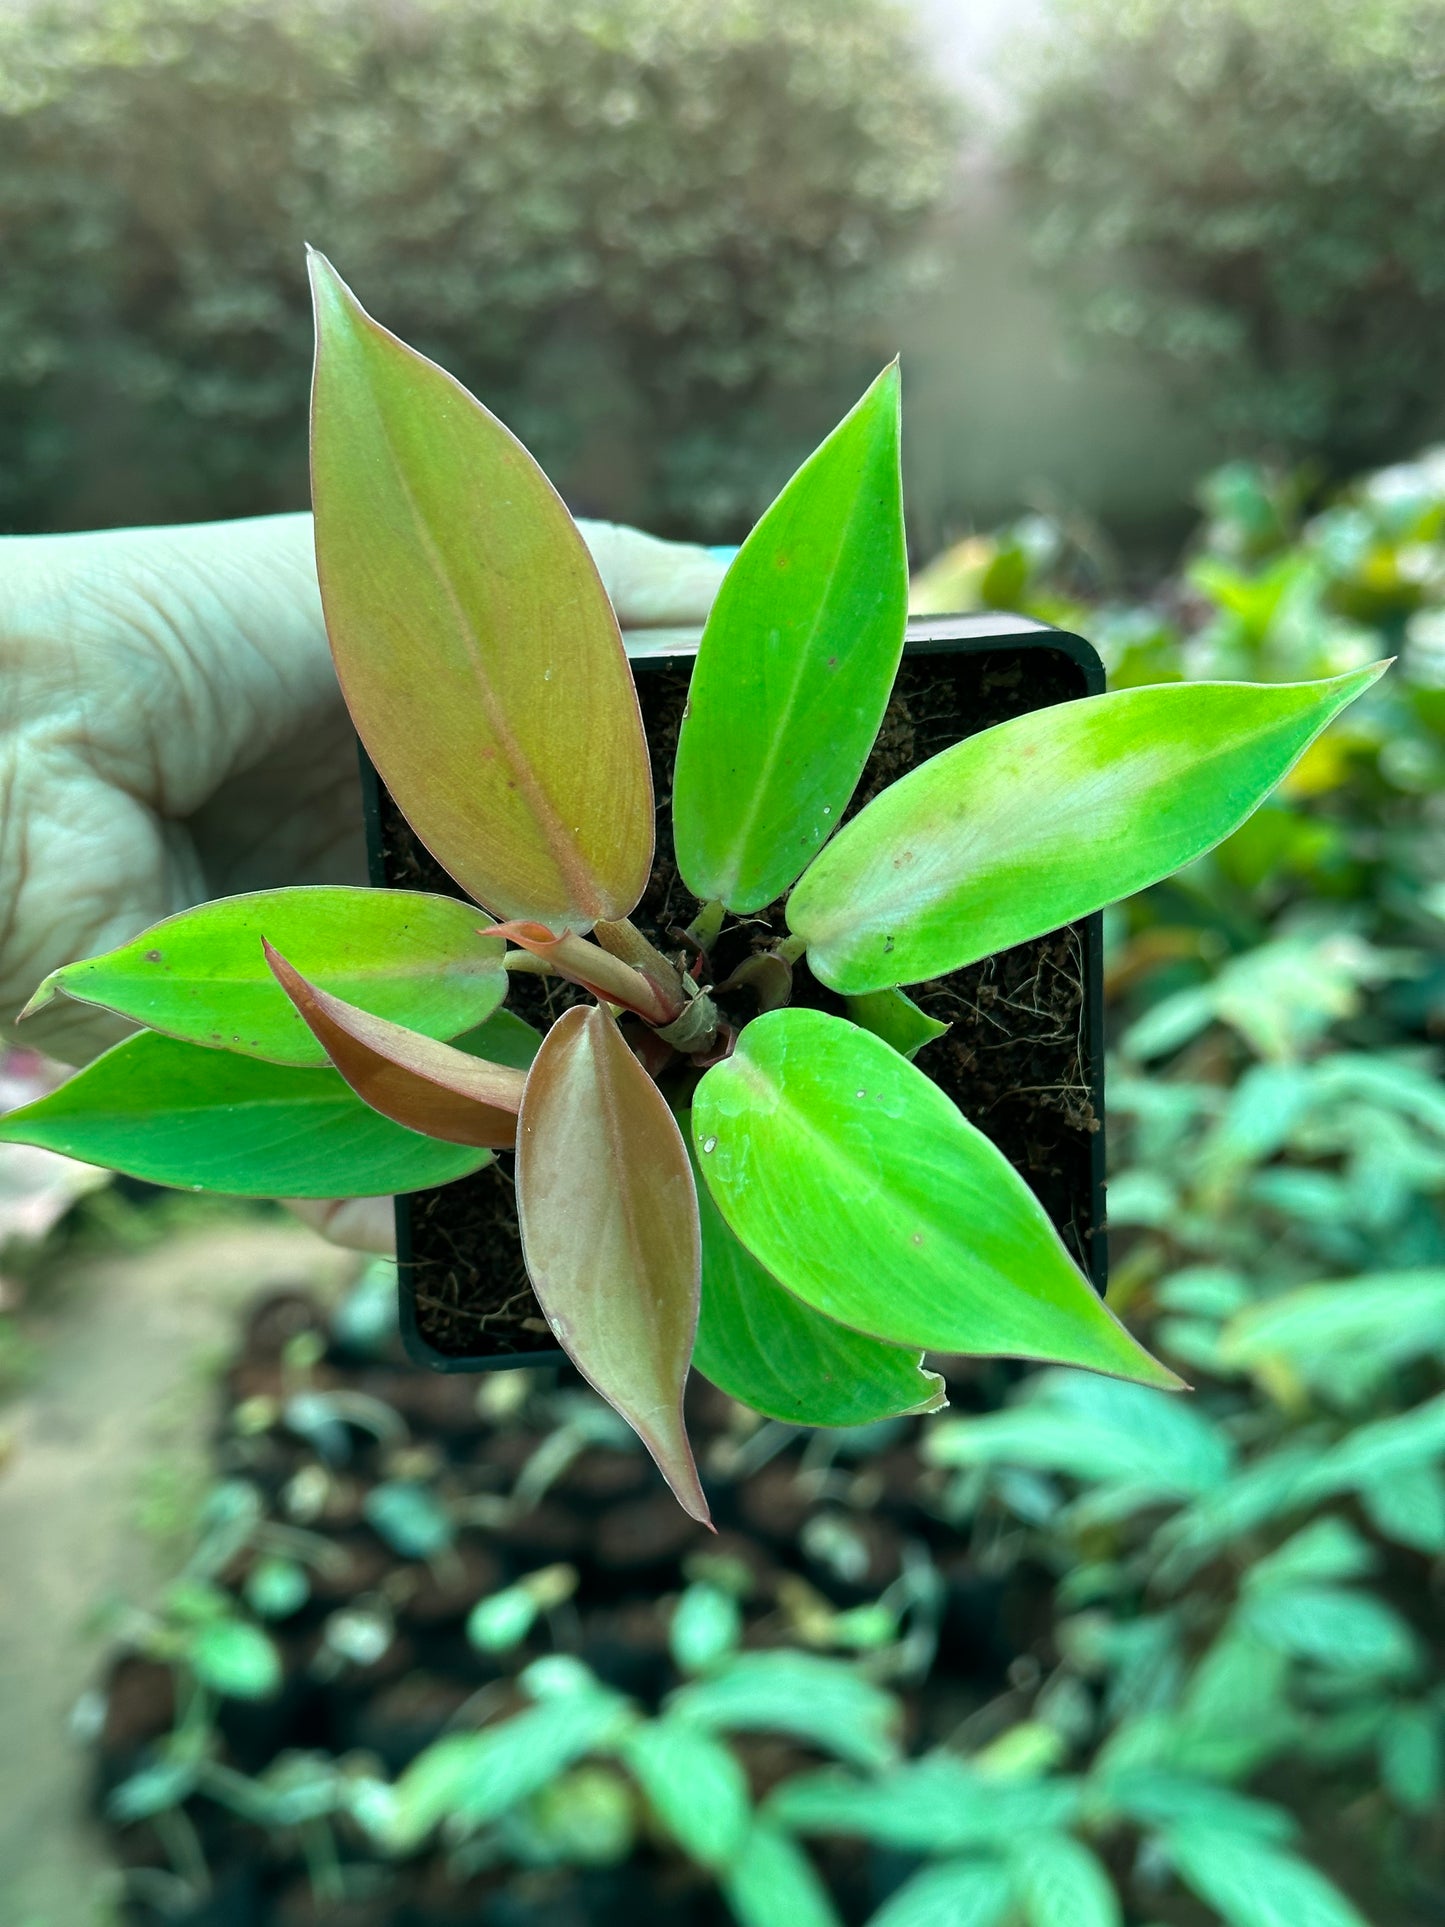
(866, 1192)
(210, 1120)
(1040, 820)
(201, 976)
(795, 666)
(414, 1080)
(766, 1348)
(477, 651)
(608, 1211)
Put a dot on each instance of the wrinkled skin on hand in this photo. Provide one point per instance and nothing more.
(171, 730)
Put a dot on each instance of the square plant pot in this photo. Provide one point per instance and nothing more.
(1022, 1058)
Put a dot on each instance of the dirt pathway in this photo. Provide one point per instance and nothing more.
(118, 1415)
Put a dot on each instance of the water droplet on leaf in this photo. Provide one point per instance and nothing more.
(709, 1144)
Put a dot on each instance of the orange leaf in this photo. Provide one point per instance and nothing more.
(477, 651)
(414, 1080)
(610, 1231)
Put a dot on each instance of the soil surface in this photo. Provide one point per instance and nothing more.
(1018, 1058)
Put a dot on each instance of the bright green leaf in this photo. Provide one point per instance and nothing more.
(939, 1804)
(694, 1785)
(895, 1018)
(277, 1587)
(770, 1882)
(795, 666)
(1330, 1626)
(608, 1211)
(1042, 819)
(201, 976)
(862, 1189)
(766, 1348)
(478, 653)
(706, 1629)
(1412, 1757)
(208, 1120)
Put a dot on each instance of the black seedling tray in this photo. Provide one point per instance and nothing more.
(1023, 1057)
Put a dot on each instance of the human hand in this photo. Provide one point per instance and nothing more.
(172, 731)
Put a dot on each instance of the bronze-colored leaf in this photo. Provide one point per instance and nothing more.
(609, 1221)
(414, 1080)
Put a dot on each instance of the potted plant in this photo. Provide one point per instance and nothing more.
(704, 1106)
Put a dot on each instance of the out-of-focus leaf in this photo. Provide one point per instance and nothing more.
(770, 1882)
(201, 975)
(1327, 1549)
(1251, 1883)
(1379, 1451)
(761, 1345)
(1061, 1883)
(795, 666)
(410, 1518)
(1329, 1626)
(1094, 1429)
(152, 1790)
(1154, 1797)
(694, 1785)
(1234, 1714)
(234, 1659)
(417, 1081)
(209, 1120)
(822, 1702)
(820, 1143)
(895, 1018)
(276, 1587)
(960, 1893)
(1412, 1757)
(608, 1211)
(1408, 1506)
(706, 1629)
(476, 1777)
(477, 651)
(1377, 1322)
(1039, 820)
(939, 1804)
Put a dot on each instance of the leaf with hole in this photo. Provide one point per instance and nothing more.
(820, 1143)
(1040, 820)
(477, 651)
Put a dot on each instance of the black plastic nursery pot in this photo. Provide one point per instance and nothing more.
(1022, 1057)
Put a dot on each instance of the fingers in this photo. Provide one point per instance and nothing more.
(652, 583)
(360, 1224)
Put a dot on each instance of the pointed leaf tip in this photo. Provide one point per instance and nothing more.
(416, 1081)
(610, 1233)
(1040, 820)
(819, 1141)
(475, 645)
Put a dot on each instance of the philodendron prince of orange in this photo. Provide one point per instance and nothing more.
(788, 1203)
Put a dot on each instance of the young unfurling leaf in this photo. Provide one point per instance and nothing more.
(477, 651)
(864, 1190)
(414, 1080)
(609, 1221)
(1026, 826)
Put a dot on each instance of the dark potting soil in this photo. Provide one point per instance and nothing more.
(1017, 1058)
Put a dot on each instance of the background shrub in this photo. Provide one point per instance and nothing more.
(630, 224)
(1251, 190)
